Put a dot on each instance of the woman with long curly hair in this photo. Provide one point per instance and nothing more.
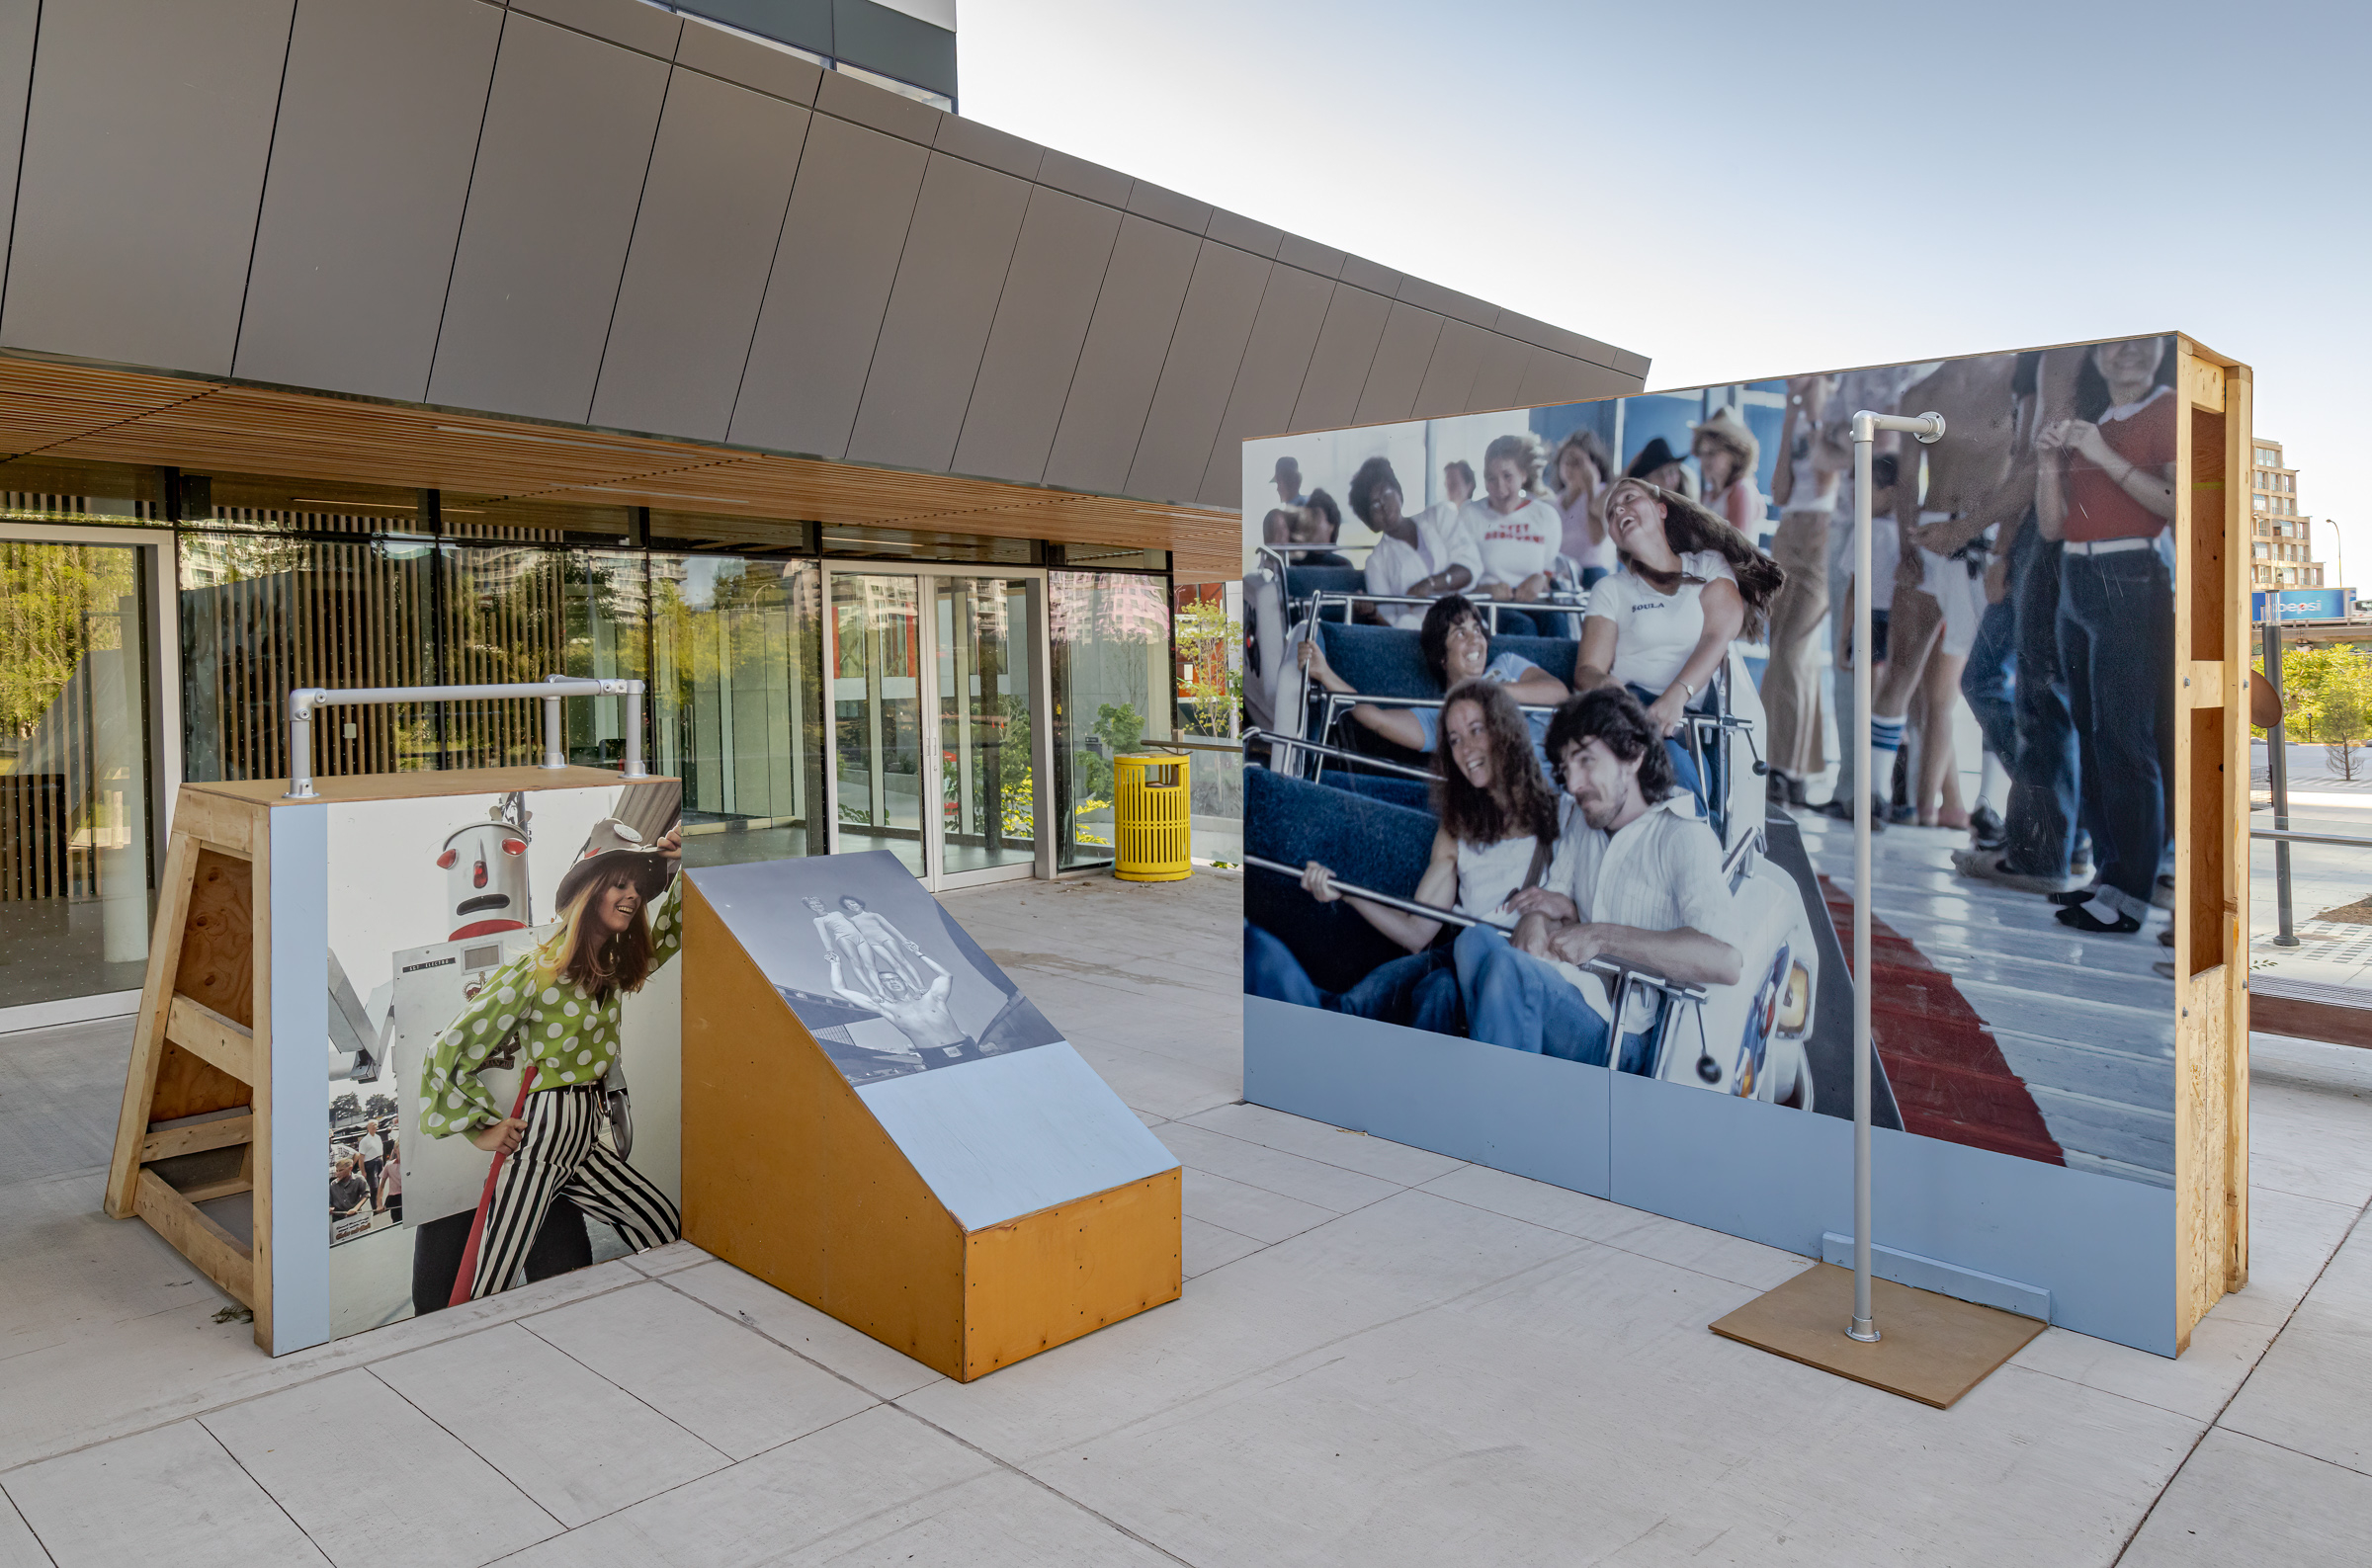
(1497, 834)
(1690, 584)
(620, 921)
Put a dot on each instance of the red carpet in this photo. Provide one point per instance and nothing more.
(1948, 1075)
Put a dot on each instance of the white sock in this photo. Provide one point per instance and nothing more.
(1992, 787)
(1886, 739)
(2100, 908)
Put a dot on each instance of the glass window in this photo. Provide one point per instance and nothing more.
(1112, 687)
(922, 95)
(74, 785)
(983, 632)
(1114, 558)
(262, 613)
(737, 709)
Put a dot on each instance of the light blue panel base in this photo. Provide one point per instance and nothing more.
(1927, 1274)
(1531, 1115)
(1009, 1135)
(2102, 1247)
(299, 893)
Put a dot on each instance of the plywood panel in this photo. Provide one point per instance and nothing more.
(1034, 347)
(378, 124)
(849, 213)
(1136, 318)
(788, 1176)
(217, 967)
(712, 215)
(957, 252)
(145, 143)
(1050, 1278)
(1214, 329)
(567, 138)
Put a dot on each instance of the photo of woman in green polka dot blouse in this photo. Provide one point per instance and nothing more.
(620, 919)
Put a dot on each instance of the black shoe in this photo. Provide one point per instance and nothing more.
(2084, 919)
(1985, 830)
(1904, 812)
(2072, 896)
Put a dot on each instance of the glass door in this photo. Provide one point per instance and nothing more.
(74, 770)
(985, 664)
(935, 701)
(878, 760)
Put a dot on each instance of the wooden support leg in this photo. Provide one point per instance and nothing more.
(148, 1030)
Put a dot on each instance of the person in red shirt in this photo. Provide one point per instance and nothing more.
(2104, 485)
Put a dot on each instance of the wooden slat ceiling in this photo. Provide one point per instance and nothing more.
(79, 413)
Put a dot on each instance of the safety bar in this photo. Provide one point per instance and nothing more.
(550, 693)
(1339, 754)
(1605, 968)
(2284, 836)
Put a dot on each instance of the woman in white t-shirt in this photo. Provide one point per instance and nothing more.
(1457, 649)
(1690, 584)
(1518, 531)
(1498, 832)
(1582, 465)
(1418, 557)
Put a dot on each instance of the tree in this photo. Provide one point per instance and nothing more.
(345, 1109)
(1210, 665)
(381, 1105)
(2343, 719)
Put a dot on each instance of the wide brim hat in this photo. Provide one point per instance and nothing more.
(1654, 455)
(1726, 425)
(613, 845)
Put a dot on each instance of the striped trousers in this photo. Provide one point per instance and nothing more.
(560, 1153)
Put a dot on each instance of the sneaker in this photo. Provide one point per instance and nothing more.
(2084, 919)
(1985, 867)
(2163, 968)
(1985, 830)
(1841, 810)
(2163, 895)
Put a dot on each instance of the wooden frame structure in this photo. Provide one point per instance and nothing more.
(201, 1074)
(2210, 831)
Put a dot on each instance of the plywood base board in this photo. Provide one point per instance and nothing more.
(1933, 1348)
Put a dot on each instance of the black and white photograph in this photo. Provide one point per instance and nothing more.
(504, 1053)
(880, 973)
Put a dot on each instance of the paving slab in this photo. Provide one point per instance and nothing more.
(135, 1501)
(2242, 1501)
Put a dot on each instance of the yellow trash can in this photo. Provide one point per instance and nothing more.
(1153, 837)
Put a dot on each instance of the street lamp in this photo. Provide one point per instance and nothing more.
(2339, 552)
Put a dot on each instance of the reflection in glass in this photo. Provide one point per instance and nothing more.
(983, 626)
(1111, 669)
(876, 713)
(734, 700)
(262, 614)
(74, 828)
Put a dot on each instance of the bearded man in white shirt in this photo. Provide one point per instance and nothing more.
(1637, 880)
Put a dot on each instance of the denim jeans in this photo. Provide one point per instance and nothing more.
(2116, 648)
(2041, 820)
(1990, 680)
(1419, 990)
(1685, 764)
(1515, 1000)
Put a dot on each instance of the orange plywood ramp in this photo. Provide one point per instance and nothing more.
(846, 1172)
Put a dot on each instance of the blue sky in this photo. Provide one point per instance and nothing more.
(1744, 191)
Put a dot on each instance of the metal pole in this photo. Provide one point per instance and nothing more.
(2277, 773)
(630, 703)
(1928, 428)
(555, 749)
(300, 742)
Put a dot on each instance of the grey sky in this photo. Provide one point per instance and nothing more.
(1717, 185)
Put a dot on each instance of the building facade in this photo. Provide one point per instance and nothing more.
(2282, 550)
(361, 344)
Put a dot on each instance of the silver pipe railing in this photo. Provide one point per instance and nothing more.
(1605, 968)
(2280, 836)
(2277, 775)
(1928, 428)
(551, 692)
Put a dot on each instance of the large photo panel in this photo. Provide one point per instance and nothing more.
(1555, 719)
(504, 1041)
